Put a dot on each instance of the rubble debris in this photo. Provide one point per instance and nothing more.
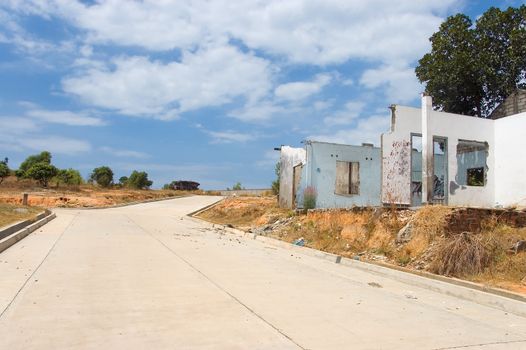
(520, 246)
(299, 242)
(375, 285)
(404, 235)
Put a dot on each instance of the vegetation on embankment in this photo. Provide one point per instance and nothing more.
(9, 214)
(426, 238)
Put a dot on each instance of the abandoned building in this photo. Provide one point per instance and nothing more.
(342, 175)
(291, 161)
(436, 157)
(185, 185)
(514, 104)
(428, 157)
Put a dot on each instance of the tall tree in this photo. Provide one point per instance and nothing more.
(471, 69)
(103, 176)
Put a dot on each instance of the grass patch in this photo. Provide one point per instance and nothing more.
(9, 216)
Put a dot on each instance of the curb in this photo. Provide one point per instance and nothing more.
(493, 297)
(199, 211)
(18, 231)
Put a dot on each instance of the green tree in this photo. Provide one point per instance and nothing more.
(70, 177)
(103, 176)
(4, 170)
(275, 183)
(472, 68)
(42, 172)
(43, 157)
(123, 180)
(237, 186)
(139, 180)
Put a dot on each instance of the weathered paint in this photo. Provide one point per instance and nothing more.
(505, 181)
(320, 173)
(289, 158)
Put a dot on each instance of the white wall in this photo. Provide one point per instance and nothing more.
(396, 155)
(289, 158)
(455, 127)
(510, 161)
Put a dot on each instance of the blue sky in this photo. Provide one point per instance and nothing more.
(204, 91)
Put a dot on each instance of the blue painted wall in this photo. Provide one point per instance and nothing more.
(320, 172)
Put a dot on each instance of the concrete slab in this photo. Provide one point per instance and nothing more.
(146, 276)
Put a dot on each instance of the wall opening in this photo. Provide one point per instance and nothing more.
(416, 170)
(472, 163)
(439, 170)
(347, 178)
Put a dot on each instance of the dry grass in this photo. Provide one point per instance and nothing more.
(245, 212)
(427, 225)
(8, 215)
(77, 196)
(462, 255)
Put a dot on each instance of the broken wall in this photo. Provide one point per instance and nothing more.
(396, 155)
(289, 158)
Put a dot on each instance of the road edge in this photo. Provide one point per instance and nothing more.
(503, 300)
(18, 231)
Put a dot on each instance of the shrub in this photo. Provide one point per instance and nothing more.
(123, 180)
(103, 176)
(275, 183)
(309, 198)
(4, 170)
(139, 180)
(42, 172)
(70, 177)
(464, 254)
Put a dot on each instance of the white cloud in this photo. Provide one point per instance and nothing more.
(16, 126)
(366, 130)
(400, 82)
(300, 90)
(350, 112)
(123, 152)
(65, 117)
(230, 136)
(56, 144)
(257, 112)
(20, 134)
(138, 86)
(313, 31)
(270, 158)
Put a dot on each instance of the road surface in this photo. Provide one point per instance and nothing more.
(148, 277)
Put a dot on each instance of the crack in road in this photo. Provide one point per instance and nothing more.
(482, 344)
(217, 285)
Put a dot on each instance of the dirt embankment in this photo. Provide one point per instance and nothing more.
(11, 192)
(429, 239)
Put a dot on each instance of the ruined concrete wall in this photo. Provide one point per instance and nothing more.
(396, 155)
(289, 158)
(459, 127)
(471, 219)
(510, 162)
(514, 104)
(320, 172)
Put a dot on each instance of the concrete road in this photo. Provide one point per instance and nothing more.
(147, 277)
